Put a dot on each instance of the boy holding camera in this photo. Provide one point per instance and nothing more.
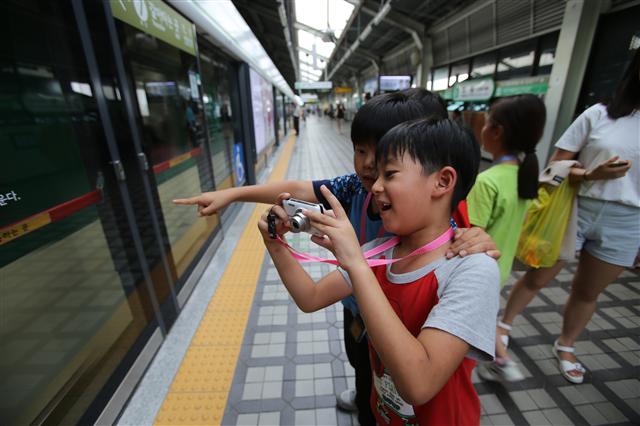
(426, 316)
(353, 191)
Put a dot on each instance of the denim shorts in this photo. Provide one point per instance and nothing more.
(608, 230)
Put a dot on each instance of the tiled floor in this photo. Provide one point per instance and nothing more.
(293, 364)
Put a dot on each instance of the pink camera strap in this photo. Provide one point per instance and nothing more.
(303, 257)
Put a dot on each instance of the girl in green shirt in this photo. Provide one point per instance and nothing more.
(499, 200)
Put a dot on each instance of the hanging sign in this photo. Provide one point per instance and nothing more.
(344, 90)
(309, 98)
(156, 18)
(313, 85)
(474, 90)
(518, 86)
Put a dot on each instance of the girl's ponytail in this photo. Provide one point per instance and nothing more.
(522, 118)
(528, 176)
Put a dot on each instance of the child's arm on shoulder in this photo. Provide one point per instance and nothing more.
(307, 294)
(211, 202)
(473, 240)
(481, 204)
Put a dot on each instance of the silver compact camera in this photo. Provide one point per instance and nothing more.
(298, 221)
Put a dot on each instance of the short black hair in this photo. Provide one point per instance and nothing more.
(382, 112)
(435, 143)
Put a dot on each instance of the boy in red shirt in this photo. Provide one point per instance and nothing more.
(427, 317)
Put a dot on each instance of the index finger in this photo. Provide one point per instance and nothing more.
(282, 197)
(333, 202)
(186, 201)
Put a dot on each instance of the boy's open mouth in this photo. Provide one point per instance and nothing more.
(384, 206)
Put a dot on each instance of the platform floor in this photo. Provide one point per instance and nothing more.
(277, 365)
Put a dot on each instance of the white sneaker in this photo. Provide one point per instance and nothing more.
(508, 371)
(347, 400)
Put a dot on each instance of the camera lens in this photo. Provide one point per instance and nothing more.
(299, 222)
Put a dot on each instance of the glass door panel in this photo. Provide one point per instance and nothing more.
(172, 116)
(219, 117)
(73, 300)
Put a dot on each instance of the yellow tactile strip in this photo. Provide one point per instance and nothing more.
(198, 394)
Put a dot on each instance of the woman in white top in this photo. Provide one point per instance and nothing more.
(606, 141)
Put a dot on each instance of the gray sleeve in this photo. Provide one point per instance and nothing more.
(468, 293)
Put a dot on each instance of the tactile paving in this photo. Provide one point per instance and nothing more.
(199, 391)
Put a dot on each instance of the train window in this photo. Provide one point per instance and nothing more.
(216, 87)
(483, 65)
(548, 44)
(440, 78)
(165, 78)
(459, 72)
(516, 61)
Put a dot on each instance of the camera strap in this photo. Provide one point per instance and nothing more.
(303, 257)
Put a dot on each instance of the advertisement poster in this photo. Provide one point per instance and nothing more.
(262, 104)
(238, 164)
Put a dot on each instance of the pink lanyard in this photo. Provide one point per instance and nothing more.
(363, 221)
(392, 242)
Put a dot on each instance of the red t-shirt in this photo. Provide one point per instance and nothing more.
(457, 403)
(461, 215)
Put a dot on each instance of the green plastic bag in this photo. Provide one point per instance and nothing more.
(545, 225)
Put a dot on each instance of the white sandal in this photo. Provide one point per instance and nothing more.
(568, 366)
(504, 338)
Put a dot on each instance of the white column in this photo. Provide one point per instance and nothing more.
(426, 62)
(572, 53)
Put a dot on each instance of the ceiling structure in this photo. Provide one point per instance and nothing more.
(367, 34)
(264, 18)
(387, 35)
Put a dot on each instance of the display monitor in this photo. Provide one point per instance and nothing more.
(390, 83)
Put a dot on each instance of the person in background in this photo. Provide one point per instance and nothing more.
(340, 116)
(297, 112)
(500, 198)
(605, 139)
(427, 317)
(457, 117)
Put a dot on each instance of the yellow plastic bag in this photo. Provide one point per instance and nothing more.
(545, 225)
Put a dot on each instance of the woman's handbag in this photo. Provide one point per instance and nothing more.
(549, 218)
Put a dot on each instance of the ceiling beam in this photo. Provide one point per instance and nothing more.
(319, 56)
(405, 23)
(316, 32)
(397, 19)
(358, 5)
(367, 54)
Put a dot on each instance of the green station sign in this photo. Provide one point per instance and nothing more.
(474, 90)
(158, 19)
(518, 86)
